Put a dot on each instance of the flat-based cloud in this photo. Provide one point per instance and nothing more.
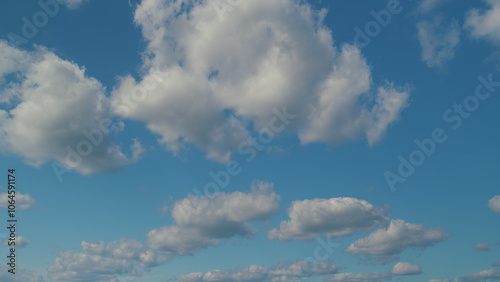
(394, 239)
(328, 217)
(278, 272)
(202, 222)
(404, 268)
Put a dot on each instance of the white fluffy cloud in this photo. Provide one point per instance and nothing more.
(279, 272)
(485, 24)
(438, 40)
(99, 261)
(404, 268)
(494, 204)
(53, 112)
(226, 214)
(358, 277)
(201, 221)
(328, 217)
(485, 275)
(23, 201)
(20, 241)
(396, 238)
(482, 247)
(205, 80)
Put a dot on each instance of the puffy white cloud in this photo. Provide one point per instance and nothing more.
(404, 268)
(205, 81)
(438, 40)
(227, 214)
(23, 201)
(396, 238)
(279, 272)
(99, 261)
(20, 242)
(53, 111)
(201, 221)
(178, 241)
(486, 23)
(358, 277)
(125, 249)
(485, 275)
(328, 217)
(482, 247)
(494, 204)
(72, 266)
(12, 61)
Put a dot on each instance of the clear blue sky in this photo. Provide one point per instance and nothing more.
(224, 140)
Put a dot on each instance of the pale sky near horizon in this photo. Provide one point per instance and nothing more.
(262, 140)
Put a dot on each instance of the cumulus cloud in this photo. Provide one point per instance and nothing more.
(358, 277)
(23, 201)
(482, 247)
(396, 238)
(52, 111)
(328, 217)
(438, 40)
(404, 268)
(279, 272)
(485, 23)
(485, 275)
(494, 204)
(205, 82)
(20, 242)
(98, 261)
(201, 221)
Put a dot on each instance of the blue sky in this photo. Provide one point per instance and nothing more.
(232, 140)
